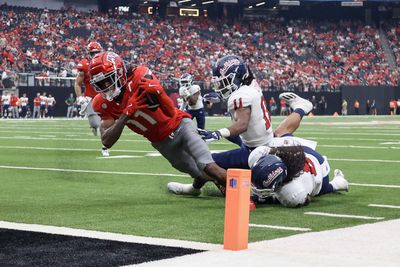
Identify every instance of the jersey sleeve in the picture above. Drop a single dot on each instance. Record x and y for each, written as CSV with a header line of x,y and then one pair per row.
x,y
100,107
82,65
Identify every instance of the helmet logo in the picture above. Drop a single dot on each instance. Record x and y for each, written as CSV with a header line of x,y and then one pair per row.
x,y
111,57
228,64
272,176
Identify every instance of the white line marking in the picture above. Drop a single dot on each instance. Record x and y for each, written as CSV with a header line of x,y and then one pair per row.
x,y
384,206
343,215
390,143
361,147
90,171
280,227
67,139
351,139
366,160
107,236
376,185
73,149
119,157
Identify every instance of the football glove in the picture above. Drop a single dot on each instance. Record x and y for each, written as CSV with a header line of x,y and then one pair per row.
x,y
150,86
209,136
211,97
136,102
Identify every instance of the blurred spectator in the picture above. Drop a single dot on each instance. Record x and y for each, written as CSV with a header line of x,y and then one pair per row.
x,y
356,107
374,110
70,105
344,107
368,107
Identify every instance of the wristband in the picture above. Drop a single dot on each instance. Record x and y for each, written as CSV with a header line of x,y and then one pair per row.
x,y
225,132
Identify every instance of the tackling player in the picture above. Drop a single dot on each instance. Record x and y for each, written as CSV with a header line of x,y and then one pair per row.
x,y
85,99
137,100
235,83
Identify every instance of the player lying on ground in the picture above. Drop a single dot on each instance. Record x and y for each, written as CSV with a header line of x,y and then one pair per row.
x,y
275,167
137,100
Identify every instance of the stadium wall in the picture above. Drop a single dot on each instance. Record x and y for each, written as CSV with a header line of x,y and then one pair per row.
x,y
59,93
381,94
334,100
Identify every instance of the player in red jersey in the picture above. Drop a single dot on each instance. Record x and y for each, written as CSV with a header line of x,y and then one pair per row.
x,y
85,100
137,100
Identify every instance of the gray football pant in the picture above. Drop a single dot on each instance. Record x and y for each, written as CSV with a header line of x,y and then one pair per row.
x,y
94,119
185,149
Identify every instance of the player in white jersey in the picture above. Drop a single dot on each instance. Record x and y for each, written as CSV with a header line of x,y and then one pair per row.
x,y
24,100
297,191
5,101
43,105
50,106
233,81
270,171
192,99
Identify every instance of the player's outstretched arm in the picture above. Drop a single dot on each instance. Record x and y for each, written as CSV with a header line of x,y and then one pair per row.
x,y
111,130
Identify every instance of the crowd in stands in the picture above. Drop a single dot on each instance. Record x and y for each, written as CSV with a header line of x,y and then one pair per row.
x,y
283,54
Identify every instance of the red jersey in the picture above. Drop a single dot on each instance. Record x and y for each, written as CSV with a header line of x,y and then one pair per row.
x,y
14,100
83,65
36,101
154,124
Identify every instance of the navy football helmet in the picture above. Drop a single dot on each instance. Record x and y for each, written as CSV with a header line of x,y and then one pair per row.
x,y
186,80
229,73
267,175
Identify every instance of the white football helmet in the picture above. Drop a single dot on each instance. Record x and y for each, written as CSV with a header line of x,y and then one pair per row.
x,y
293,194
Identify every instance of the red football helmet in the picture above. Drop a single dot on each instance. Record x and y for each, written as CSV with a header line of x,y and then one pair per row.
x,y
94,48
108,74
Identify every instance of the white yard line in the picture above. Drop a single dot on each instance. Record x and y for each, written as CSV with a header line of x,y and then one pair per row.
x,y
120,157
366,160
361,147
72,149
89,171
280,227
107,236
376,185
343,215
66,139
384,206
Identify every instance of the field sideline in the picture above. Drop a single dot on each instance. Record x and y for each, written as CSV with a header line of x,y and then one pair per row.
x,y
52,174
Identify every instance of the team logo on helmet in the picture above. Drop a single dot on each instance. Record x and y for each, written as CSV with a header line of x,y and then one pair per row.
x,y
228,64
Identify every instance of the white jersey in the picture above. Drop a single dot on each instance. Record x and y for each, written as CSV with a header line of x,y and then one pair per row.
x,y
43,100
5,99
24,101
50,101
259,131
199,104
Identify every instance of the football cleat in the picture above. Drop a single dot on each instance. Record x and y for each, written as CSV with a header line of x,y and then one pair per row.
x,y
105,152
339,183
183,189
295,102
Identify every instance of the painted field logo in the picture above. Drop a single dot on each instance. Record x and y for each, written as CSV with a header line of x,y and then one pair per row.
x,y
233,183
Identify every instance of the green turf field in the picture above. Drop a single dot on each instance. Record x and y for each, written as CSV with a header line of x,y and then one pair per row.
x,y
52,173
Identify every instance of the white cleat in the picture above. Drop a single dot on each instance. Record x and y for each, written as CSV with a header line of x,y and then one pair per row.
x,y
295,102
183,189
339,183
105,152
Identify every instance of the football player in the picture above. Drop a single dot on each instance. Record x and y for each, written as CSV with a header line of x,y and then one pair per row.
x,y
192,99
85,99
271,180
137,100
234,82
